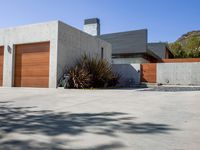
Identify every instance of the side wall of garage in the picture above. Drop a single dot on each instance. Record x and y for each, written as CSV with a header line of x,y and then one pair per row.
x,y
43,32
73,43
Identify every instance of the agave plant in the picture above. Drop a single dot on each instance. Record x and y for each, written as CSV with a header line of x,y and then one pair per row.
x,y
91,72
79,78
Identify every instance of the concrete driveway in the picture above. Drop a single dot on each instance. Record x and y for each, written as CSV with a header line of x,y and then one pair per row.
x,y
98,119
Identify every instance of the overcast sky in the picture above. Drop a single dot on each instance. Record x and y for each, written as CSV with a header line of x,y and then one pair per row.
x,y
165,20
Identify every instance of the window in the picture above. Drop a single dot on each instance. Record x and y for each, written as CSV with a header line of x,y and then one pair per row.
x,y
102,49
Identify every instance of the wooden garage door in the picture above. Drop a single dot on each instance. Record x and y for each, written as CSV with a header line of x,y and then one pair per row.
x,y
32,65
1,64
148,73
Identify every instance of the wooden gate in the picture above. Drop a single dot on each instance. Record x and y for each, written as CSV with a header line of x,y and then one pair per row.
x,y
148,73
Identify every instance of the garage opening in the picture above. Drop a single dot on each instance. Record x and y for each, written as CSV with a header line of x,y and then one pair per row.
x,y
1,64
32,65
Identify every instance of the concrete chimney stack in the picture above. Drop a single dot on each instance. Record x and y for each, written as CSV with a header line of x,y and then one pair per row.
x,y
92,26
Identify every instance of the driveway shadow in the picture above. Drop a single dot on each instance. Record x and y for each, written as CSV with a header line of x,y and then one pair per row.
x,y
27,120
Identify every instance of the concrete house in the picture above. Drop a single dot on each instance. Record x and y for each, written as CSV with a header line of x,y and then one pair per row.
x,y
131,46
36,55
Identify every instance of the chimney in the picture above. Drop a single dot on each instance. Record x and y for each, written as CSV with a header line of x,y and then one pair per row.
x,y
92,26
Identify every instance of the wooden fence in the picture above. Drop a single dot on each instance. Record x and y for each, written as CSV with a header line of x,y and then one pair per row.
x,y
179,60
148,73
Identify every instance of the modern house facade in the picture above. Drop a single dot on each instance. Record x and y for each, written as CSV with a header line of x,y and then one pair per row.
x,y
37,55
131,46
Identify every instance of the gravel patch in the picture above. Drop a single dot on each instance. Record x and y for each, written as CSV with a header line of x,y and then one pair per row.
x,y
172,89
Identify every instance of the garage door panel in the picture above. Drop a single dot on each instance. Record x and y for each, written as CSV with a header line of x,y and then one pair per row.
x,y
1,64
32,65
32,71
31,82
38,47
33,58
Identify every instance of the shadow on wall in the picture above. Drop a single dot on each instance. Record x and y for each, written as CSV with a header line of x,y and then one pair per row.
x,y
29,122
130,74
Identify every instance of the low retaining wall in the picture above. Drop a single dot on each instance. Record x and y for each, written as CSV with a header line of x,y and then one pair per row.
x,y
184,73
130,74
178,73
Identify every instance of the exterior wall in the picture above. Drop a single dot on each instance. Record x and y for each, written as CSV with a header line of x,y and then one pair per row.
x,y
92,29
73,43
29,34
178,73
129,60
130,74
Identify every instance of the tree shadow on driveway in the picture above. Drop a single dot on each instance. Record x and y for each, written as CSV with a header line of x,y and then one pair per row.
x,y
27,121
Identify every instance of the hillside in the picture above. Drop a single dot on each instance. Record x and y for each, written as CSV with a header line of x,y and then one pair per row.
x,y
185,37
188,45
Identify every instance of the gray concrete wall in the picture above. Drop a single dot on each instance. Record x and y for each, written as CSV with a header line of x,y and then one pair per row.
x,y
130,74
29,34
92,29
73,43
178,73
139,60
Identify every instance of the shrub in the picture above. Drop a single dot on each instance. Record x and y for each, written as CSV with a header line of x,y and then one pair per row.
x,y
91,72
79,78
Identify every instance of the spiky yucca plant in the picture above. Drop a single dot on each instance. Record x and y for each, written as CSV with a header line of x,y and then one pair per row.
x,y
100,70
91,72
79,78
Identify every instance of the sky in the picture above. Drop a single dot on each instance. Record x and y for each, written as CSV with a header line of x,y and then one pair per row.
x,y
166,20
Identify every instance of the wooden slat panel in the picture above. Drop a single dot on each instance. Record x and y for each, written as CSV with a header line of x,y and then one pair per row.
x,y
32,65
36,71
178,60
1,64
148,73
32,82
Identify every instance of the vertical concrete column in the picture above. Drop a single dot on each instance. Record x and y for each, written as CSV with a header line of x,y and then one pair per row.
x,y
53,64
8,68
